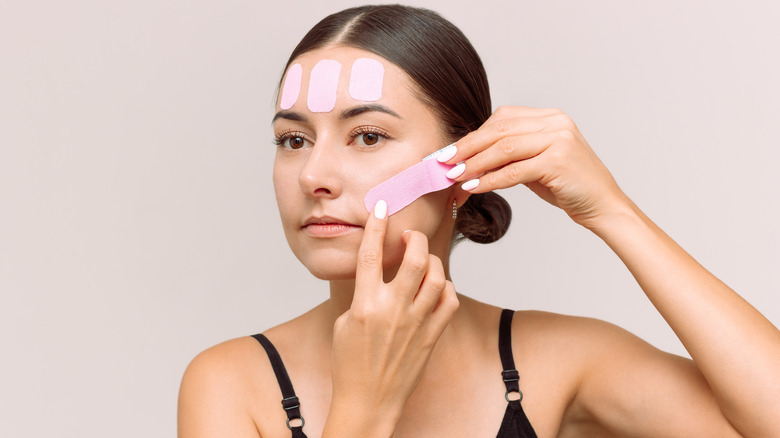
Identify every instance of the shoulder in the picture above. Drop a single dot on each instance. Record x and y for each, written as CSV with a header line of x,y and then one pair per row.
x,y
564,357
229,362
218,387
579,346
617,384
581,334
573,349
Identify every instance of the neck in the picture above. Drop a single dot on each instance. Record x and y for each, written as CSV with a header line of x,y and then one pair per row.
x,y
341,294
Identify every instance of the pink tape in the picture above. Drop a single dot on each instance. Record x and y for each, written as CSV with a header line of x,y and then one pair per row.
x,y
292,87
402,189
323,85
365,81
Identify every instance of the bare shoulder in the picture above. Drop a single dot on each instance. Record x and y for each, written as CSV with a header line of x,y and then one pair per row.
x,y
226,365
220,387
579,346
591,345
618,384
230,389
555,355
576,334
560,323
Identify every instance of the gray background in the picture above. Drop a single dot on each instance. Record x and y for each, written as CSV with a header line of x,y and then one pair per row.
x,y
137,219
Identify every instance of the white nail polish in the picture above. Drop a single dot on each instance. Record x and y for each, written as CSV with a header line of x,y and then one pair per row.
x,y
380,209
448,153
470,184
456,171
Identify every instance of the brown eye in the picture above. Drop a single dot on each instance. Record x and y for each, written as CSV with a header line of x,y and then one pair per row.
x,y
296,142
370,138
291,140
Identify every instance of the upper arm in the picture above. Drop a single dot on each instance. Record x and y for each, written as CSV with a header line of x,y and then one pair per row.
x,y
630,388
213,401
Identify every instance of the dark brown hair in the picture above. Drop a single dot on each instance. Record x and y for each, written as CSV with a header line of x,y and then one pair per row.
x,y
449,76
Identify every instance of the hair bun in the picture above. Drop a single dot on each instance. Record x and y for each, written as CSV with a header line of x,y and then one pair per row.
x,y
483,218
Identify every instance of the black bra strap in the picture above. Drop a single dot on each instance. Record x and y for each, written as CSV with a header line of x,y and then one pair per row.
x,y
290,401
510,374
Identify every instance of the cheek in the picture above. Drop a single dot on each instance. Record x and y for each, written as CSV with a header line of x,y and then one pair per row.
x,y
424,215
361,175
286,185
358,180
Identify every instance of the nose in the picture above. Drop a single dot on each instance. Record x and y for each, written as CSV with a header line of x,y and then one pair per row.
x,y
320,176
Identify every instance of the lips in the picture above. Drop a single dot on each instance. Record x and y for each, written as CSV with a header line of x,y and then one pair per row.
x,y
325,220
326,226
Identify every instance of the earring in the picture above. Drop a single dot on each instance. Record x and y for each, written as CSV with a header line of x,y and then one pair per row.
x,y
454,210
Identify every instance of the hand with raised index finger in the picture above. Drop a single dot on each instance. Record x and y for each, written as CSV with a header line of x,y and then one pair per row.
x,y
544,150
382,344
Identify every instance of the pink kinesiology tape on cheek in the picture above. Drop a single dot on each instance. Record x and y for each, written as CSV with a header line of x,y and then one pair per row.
x,y
365,82
401,190
292,87
323,86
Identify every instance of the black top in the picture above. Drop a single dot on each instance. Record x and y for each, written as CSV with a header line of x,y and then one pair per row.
x,y
514,425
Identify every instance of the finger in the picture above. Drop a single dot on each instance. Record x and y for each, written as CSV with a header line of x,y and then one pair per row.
x,y
414,265
507,150
432,286
369,264
505,121
479,140
519,172
445,309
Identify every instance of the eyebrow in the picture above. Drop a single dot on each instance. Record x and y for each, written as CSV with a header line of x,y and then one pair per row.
x,y
358,110
290,115
346,114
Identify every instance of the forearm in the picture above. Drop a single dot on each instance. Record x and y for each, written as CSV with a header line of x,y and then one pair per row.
x,y
735,347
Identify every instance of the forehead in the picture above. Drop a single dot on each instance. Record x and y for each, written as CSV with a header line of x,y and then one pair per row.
x,y
336,74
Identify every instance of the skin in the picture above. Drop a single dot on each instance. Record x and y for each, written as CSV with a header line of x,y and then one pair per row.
x,y
395,351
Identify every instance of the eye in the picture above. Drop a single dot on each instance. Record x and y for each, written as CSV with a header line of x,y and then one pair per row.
x,y
291,140
368,136
295,142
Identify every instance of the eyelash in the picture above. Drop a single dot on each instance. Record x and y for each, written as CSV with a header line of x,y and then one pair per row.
x,y
280,139
360,130
283,136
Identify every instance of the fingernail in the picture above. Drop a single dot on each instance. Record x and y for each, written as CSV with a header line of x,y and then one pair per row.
x,y
447,153
380,209
456,171
470,184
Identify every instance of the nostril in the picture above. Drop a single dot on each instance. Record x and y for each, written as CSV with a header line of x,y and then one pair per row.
x,y
322,191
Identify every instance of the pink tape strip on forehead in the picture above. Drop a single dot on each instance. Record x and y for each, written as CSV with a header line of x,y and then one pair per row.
x,y
292,87
401,190
365,82
323,86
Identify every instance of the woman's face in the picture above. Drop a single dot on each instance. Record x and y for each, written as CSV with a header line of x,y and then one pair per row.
x,y
326,162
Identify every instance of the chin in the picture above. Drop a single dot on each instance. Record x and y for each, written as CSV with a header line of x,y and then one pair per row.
x,y
342,268
329,265
331,271
333,275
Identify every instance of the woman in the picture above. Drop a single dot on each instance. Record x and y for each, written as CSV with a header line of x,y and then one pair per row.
x,y
395,351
